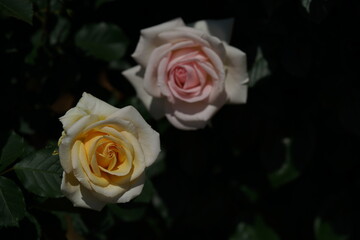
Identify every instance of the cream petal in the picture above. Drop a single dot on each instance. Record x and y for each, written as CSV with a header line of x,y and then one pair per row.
x,y
87,105
149,139
71,117
69,138
139,158
78,195
93,105
149,40
122,170
134,190
82,169
221,29
110,193
236,82
154,105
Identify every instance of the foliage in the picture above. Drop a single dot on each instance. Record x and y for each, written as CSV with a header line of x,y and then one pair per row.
x,y
282,166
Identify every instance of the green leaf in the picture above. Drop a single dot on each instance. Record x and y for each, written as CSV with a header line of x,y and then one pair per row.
x,y
260,68
99,3
258,231
40,173
35,222
251,194
60,31
21,9
287,172
13,149
306,4
73,220
323,231
12,204
104,41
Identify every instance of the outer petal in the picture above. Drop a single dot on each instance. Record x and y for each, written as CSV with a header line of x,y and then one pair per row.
x,y
237,77
147,137
154,105
149,40
80,196
195,115
68,140
87,105
221,29
134,190
93,105
197,36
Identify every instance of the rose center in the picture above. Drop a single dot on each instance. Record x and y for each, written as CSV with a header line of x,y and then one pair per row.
x,y
108,155
180,76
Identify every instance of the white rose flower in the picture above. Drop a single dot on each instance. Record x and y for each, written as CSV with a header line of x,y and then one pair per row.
x,y
104,152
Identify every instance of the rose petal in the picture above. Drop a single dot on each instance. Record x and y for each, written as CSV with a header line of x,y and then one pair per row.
x,y
198,37
126,166
71,117
151,82
154,105
69,138
221,29
149,40
134,190
82,169
148,138
139,158
192,125
237,77
93,105
192,116
80,196
183,34
111,192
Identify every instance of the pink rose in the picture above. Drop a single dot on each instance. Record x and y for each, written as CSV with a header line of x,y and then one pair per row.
x,y
188,73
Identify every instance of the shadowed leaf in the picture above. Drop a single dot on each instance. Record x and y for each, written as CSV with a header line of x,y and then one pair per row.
x,y
40,173
12,205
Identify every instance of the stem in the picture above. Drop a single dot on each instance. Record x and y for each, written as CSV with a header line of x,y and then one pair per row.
x,y
6,171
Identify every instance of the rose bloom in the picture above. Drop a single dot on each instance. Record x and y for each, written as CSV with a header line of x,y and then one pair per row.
x,y
188,73
104,152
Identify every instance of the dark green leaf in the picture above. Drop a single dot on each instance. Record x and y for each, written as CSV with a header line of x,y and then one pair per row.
x,y
127,213
260,68
287,171
37,225
258,231
323,231
99,3
60,31
104,41
36,41
251,194
21,9
306,4
72,220
40,173
13,149
12,205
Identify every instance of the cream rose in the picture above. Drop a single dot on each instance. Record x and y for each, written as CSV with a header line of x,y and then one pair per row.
x,y
188,73
104,152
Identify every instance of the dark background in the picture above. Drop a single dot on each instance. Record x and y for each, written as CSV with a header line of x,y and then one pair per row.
x,y
285,165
